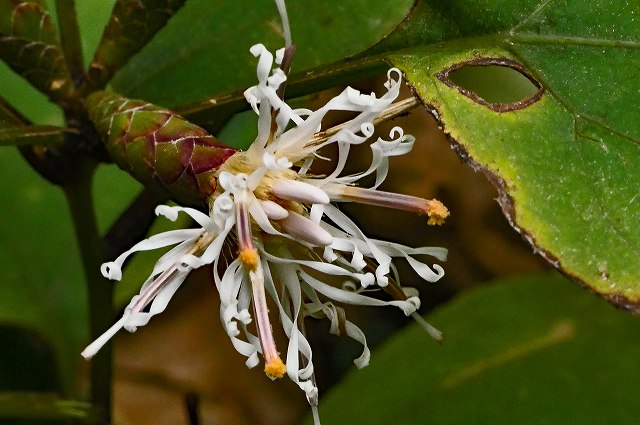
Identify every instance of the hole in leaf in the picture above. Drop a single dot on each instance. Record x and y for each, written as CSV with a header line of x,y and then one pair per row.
x,y
494,83
497,83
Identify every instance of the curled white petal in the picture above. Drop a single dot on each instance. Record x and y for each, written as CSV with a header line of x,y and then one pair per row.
x,y
276,164
113,270
346,297
265,60
167,211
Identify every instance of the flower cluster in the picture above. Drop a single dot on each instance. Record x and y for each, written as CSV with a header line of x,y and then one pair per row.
x,y
289,233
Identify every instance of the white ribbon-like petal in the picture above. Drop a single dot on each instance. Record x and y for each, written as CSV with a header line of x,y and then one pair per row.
x,y
340,295
171,212
298,344
113,270
353,331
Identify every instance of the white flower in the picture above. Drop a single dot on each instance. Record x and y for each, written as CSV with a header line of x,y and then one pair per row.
x,y
288,232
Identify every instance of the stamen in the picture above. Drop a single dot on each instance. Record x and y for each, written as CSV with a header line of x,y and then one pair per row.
x,y
152,291
434,209
96,345
247,253
165,277
295,190
148,294
273,365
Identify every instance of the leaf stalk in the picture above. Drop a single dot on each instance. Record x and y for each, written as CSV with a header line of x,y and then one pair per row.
x,y
70,39
79,196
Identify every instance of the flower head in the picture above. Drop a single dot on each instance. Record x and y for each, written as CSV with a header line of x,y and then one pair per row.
x,y
289,233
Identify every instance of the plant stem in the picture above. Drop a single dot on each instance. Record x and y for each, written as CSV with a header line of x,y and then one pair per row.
x,y
32,135
78,193
11,115
70,39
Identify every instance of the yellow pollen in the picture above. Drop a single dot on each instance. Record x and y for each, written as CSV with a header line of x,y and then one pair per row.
x,y
437,212
275,368
249,257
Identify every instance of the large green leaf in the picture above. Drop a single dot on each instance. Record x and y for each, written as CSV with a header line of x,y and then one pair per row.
x,y
564,161
42,289
533,350
204,49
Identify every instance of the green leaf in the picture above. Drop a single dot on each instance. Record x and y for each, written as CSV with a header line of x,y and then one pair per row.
x,y
533,350
565,160
32,105
132,24
204,49
29,45
42,284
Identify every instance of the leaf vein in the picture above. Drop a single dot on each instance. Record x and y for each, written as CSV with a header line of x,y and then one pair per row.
x,y
536,12
571,40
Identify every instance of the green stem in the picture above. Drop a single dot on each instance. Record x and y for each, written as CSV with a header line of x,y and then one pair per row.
x,y
32,135
70,38
79,197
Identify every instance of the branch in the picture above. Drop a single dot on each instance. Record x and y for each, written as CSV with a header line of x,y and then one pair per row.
x,y
32,135
79,197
